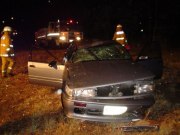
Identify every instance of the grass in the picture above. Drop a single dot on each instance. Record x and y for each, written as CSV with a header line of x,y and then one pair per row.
x,y
28,109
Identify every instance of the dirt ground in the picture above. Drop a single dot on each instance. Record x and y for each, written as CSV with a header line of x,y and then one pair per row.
x,y
27,109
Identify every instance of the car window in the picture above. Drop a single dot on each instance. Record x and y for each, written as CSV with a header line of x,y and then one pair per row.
x,y
82,55
39,54
103,52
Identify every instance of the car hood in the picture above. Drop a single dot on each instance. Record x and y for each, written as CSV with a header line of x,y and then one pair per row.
x,y
101,73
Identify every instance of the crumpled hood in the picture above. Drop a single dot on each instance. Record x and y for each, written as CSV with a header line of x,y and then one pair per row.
x,y
98,73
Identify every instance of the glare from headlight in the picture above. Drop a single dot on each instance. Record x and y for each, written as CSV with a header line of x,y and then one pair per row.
x,y
63,38
143,88
70,40
78,38
85,93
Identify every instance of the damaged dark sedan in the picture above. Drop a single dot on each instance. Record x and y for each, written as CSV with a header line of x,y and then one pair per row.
x,y
99,82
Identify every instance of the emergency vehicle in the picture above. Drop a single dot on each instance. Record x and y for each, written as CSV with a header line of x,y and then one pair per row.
x,y
60,33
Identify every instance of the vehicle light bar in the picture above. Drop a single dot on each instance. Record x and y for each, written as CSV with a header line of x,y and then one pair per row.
x,y
52,34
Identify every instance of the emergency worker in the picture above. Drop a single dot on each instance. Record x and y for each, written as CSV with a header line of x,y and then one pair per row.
x,y
119,35
6,52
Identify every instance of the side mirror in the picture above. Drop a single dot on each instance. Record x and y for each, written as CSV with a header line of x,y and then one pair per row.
x,y
53,64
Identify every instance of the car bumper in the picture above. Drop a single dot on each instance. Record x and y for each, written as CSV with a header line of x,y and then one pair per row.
x,y
93,109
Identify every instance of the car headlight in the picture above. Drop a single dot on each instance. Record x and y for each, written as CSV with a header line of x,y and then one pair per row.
x,y
90,92
78,38
71,40
80,92
143,88
62,38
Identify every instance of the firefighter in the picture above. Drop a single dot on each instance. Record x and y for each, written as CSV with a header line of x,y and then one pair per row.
x,y
6,52
119,35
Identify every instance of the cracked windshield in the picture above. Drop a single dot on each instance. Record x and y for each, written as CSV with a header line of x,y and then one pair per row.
x,y
110,52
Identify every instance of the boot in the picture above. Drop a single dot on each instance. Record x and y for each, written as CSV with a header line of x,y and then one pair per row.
x,y
4,75
10,74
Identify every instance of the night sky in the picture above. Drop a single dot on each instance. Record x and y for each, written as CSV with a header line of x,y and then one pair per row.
x,y
98,18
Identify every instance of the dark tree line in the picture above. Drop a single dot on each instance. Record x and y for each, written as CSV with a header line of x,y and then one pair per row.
x,y
158,19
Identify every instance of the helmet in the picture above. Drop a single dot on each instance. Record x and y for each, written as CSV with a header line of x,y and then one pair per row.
x,y
7,28
119,25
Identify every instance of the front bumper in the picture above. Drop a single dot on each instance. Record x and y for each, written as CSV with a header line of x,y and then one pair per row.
x,y
91,109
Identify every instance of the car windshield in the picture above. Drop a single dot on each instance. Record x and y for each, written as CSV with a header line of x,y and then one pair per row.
x,y
102,52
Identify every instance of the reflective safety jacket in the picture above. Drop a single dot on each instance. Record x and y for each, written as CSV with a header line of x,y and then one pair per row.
x,y
120,37
6,47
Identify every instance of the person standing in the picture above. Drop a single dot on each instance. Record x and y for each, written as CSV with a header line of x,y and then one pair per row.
x,y
7,52
119,35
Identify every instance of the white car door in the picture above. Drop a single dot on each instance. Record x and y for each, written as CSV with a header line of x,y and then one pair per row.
x,y
42,73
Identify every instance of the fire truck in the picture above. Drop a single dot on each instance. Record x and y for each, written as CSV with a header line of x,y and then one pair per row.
x,y
60,33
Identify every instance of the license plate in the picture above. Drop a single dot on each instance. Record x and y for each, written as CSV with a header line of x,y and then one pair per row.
x,y
114,110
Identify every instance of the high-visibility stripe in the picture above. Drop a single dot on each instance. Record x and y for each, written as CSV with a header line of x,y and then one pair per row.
x,y
3,37
4,55
120,38
9,67
9,45
3,71
119,32
3,44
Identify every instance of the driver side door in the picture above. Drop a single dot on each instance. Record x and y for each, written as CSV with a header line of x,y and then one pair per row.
x,y
40,68
43,74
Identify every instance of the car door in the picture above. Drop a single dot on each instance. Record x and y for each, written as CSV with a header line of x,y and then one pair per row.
x,y
42,73
43,69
